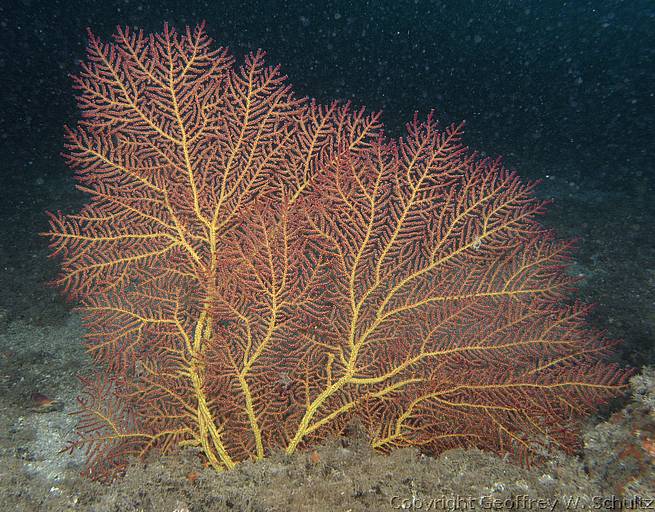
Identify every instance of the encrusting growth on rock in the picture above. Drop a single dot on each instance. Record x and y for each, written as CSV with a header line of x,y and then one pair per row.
x,y
255,270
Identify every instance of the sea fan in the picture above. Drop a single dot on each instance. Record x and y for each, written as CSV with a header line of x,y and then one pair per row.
x,y
255,270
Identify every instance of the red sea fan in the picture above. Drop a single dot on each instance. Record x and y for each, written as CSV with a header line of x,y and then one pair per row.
x,y
255,270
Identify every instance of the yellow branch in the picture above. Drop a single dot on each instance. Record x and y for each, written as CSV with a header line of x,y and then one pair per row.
x,y
209,434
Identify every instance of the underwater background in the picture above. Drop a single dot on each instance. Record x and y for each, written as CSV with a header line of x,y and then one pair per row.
x,y
562,90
